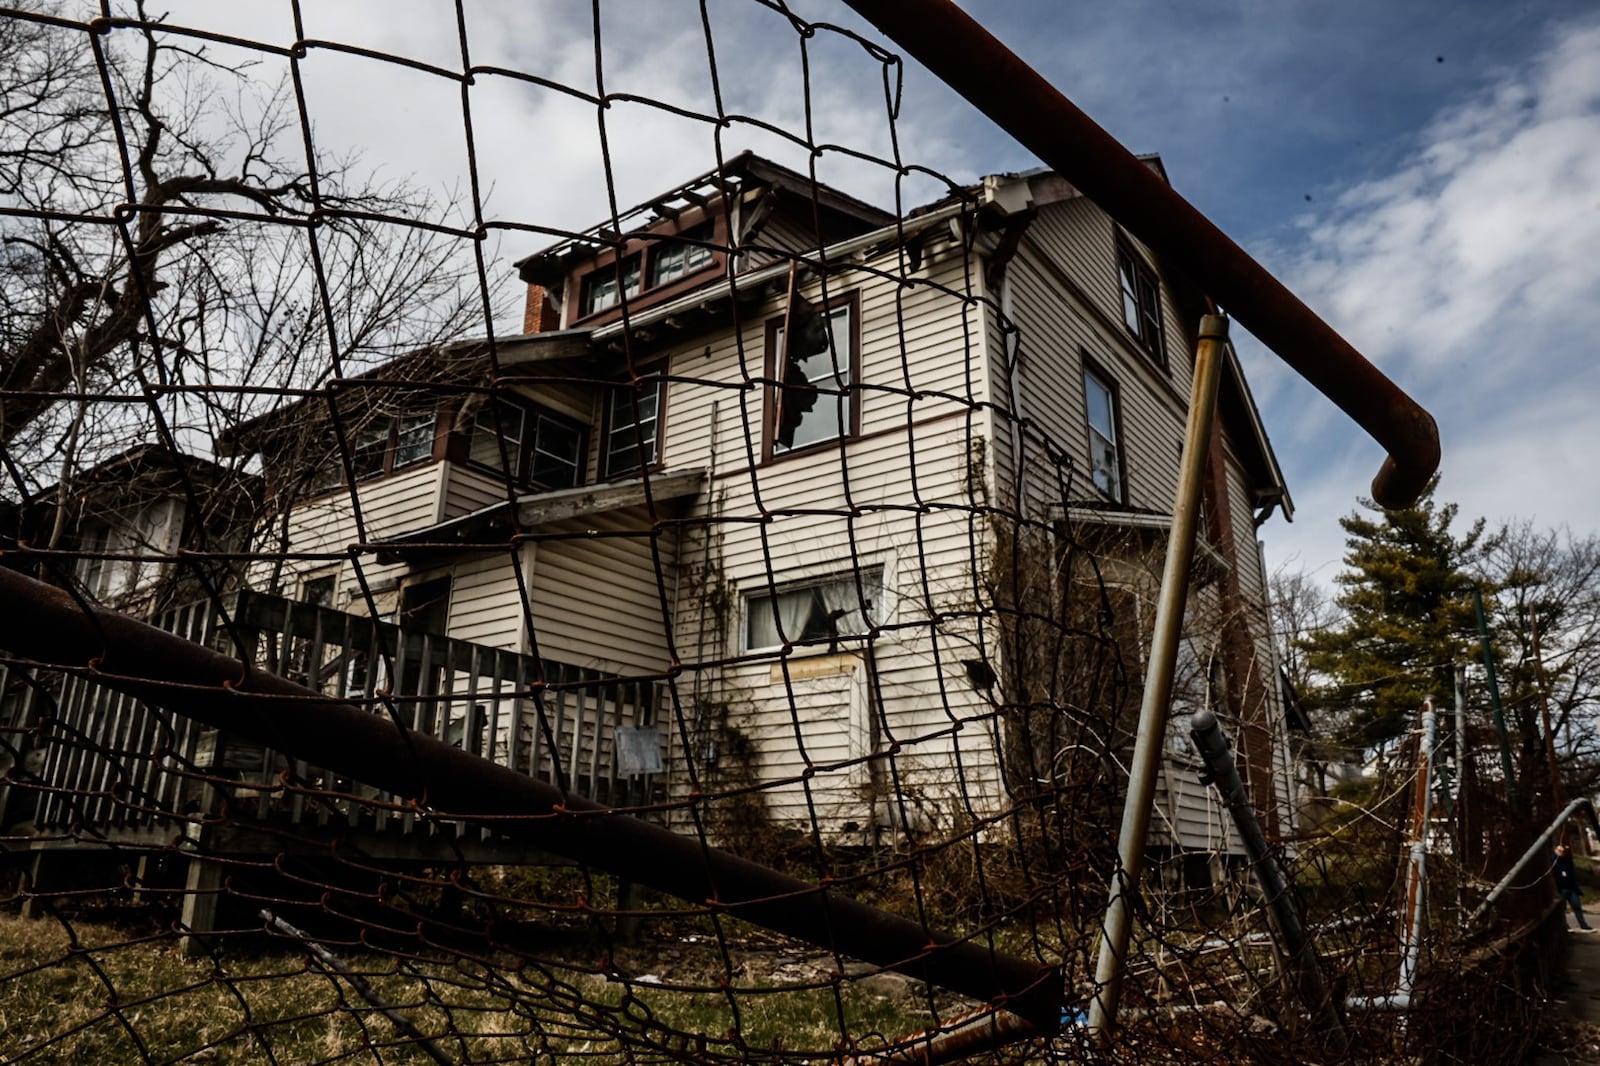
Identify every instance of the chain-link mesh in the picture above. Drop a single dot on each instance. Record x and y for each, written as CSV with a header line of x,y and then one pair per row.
x,y
734,657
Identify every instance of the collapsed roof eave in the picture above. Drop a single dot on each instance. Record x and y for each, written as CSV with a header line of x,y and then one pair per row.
x,y
495,524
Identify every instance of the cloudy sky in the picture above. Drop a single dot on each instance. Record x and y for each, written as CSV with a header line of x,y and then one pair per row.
x,y
1426,175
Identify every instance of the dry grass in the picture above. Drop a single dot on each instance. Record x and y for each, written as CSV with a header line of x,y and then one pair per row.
x,y
88,993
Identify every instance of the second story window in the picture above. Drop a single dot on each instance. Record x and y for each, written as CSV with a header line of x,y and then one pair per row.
x,y
1141,302
1105,442
544,450
600,288
813,402
633,423
674,258
380,445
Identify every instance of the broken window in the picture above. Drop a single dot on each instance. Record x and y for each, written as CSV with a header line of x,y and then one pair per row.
x,y
815,362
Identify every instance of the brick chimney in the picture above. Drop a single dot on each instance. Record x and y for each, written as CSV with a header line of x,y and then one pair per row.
x,y
539,315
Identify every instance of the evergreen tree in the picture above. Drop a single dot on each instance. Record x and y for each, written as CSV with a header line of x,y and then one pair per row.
x,y
1406,601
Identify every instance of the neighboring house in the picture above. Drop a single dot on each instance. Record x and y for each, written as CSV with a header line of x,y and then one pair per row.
x,y
868,510
113,533
119,525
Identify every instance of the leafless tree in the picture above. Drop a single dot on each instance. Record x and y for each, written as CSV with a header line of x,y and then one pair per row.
x,y
176,249
1547,629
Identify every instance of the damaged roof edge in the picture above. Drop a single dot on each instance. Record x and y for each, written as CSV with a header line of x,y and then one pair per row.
x,y
543,508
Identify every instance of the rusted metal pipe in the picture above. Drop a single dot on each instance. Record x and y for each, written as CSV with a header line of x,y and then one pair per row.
x,y
1533,852
1153,711
1296,947
965,56
49,626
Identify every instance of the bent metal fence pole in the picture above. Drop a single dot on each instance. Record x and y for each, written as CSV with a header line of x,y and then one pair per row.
x,y
1295,945
49,626
1494,699
1416,875
966,57
1534,850
1150,741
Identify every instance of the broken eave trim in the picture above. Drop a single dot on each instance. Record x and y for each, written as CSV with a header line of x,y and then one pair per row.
x,y
745,285
542,509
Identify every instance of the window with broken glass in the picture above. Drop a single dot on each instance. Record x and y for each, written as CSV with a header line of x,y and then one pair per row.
x,y
813,402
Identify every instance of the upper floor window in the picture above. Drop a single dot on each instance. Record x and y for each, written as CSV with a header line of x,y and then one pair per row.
x,y
1141,302
633,422
807,612
673,258
385,443
543,450
1105,441
600,287
813,402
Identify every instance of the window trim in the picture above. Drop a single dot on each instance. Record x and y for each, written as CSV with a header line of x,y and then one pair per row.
x,y
1093,371
1146,282
527,442
604,452
644,245
852,389
873,577
437,419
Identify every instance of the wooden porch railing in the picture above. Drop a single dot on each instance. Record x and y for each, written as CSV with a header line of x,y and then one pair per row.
x,y
109,763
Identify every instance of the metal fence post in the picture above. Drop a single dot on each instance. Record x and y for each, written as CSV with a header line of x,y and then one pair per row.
x,y
1295,945
1146,763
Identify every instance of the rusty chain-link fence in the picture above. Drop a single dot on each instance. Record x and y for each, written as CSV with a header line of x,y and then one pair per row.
x,y
438,631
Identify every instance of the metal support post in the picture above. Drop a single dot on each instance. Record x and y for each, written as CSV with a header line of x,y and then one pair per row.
x,y
1534,851
1494,701
1295,946
1158,679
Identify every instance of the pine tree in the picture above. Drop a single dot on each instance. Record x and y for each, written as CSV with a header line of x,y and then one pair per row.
x,y
1406,601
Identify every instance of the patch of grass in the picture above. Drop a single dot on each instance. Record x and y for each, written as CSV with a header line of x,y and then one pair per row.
x,y
88,993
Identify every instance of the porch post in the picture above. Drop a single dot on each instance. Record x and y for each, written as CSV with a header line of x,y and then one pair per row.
x,y
1158,679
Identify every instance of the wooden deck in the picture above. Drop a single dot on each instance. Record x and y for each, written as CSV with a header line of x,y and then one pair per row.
x,y
117,770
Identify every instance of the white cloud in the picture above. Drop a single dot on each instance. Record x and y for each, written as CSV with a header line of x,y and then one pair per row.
x,y
1470,275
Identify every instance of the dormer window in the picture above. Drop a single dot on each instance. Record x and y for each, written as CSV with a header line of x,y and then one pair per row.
x,y
677,257
600,289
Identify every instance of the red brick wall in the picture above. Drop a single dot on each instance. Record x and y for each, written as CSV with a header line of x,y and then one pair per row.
x,y
539,314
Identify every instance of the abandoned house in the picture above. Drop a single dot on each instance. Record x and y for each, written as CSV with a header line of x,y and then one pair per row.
x,y
862,515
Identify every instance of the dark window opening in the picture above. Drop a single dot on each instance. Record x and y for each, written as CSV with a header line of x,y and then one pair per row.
x,y
633,420
1141,303
544,451
813,402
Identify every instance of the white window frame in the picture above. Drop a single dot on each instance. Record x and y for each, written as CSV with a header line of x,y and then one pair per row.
x,y
873,587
